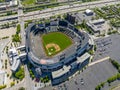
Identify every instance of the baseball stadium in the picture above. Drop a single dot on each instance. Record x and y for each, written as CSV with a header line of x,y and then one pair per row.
x,y
54,45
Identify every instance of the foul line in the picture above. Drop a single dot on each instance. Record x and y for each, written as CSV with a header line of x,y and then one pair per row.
x,y
98,61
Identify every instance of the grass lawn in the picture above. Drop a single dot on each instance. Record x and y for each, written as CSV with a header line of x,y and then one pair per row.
x,y
62,40
28,2
2,0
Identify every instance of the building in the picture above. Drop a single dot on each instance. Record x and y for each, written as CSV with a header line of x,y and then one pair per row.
x,y
9,3
71,18
89,12
66,62
37,56
97,26
14,59
63,73
13,3
79,17
15,64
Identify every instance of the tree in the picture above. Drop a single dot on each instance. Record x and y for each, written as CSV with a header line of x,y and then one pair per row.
x,y
115,64
98,87
44,79
12,84
20,74
2,86
111,79
16,38
18,29
95,47
118,76
119,69
102,84
21,88
9,12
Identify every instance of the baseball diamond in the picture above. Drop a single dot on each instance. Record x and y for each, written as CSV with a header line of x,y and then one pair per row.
x,y
55,42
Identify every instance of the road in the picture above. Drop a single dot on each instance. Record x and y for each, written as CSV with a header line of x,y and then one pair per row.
x,y
21,21
62,9
28,81
60,3
65,9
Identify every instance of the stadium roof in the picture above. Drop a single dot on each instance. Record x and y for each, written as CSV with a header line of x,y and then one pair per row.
x,y
66,69
83,58
61,71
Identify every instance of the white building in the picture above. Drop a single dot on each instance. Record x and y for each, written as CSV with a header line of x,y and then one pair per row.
x,y
14,59
88,12
97,26
13,3
9,4
13,52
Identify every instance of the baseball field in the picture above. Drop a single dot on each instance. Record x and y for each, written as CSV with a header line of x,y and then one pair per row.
x,y
55,42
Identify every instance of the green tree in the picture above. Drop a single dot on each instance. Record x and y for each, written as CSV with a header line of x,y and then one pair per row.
x,y
12,84
20,74
16,38
21,88
118,76
111,79
2,87
98,87
115,64
18,29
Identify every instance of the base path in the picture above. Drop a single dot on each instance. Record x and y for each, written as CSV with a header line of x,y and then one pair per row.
x,y
57,48
98,61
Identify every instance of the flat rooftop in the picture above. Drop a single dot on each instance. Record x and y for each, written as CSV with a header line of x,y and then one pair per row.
x,y
61,71
66,69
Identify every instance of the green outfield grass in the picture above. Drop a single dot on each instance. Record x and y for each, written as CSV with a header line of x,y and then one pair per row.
x,y
60,39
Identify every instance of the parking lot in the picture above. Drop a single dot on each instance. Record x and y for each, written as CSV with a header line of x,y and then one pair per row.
x,y
109,46
89,78
97,73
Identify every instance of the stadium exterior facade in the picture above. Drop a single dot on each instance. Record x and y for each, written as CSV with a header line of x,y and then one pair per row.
x,y
64,58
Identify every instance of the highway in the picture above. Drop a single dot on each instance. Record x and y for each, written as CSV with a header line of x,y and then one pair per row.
x,y
59,10
74,7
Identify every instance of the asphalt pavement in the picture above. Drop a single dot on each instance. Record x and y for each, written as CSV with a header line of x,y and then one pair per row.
x,y
98,72
108,46
88,79
3,43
